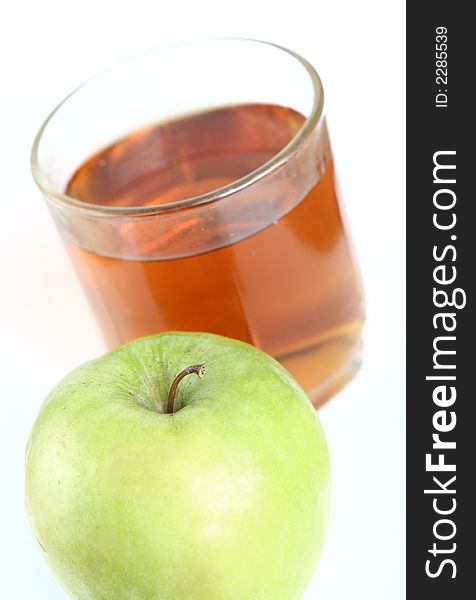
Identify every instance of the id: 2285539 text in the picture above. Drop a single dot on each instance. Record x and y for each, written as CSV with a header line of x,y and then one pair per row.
x,y
441,67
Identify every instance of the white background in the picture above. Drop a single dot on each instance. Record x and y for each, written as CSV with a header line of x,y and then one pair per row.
x,y
46,49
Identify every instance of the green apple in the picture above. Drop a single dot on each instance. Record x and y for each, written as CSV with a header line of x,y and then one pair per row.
x,y
224,496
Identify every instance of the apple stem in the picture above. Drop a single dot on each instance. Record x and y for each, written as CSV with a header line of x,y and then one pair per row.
x,y
198,369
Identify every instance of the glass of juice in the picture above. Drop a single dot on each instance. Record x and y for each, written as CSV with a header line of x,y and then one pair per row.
x,y
194,189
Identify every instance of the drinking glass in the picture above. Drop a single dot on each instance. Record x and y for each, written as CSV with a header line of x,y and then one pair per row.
x,y
194,189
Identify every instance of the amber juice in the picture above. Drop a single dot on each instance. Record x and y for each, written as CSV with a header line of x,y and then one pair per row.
x,y
290,288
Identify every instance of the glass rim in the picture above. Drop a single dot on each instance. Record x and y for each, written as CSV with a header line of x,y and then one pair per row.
x,y
50,191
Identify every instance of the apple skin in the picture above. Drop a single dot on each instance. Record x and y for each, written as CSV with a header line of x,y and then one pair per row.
x,y
225,499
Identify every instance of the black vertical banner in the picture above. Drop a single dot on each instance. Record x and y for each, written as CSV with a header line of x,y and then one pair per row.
x,y
441,297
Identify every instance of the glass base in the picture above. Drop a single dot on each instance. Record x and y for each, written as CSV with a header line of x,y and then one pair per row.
x,y
326,368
